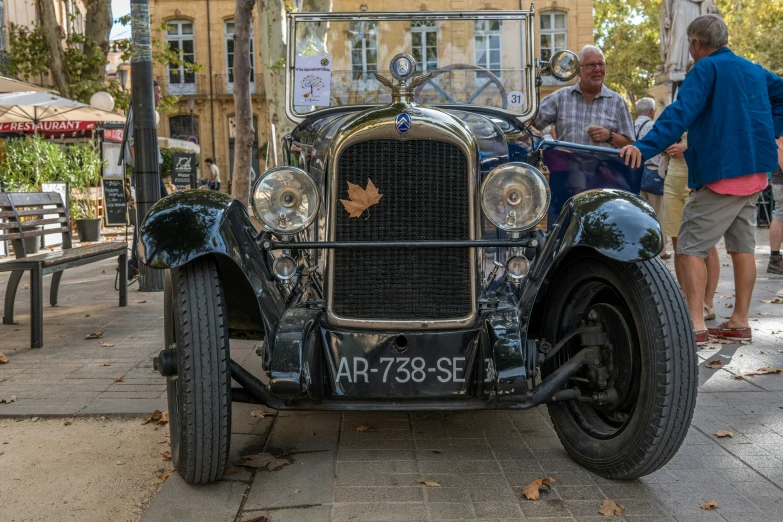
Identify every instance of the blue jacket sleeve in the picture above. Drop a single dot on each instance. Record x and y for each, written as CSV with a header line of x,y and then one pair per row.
x,y
775,90
678,116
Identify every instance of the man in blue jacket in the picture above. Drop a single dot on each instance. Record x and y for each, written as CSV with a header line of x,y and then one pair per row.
x,y
733,112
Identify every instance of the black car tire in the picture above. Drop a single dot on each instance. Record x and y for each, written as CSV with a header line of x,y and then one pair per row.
x,y
199,396
661,381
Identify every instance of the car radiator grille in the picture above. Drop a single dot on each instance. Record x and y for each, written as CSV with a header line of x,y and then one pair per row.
x,y
425,197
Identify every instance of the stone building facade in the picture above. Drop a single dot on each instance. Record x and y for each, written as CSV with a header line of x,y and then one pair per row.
x,y
203,29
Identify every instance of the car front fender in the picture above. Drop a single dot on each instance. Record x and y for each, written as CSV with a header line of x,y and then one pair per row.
x,y
195,223
618,224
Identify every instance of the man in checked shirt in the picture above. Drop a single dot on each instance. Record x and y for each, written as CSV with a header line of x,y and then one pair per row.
x,y
588,113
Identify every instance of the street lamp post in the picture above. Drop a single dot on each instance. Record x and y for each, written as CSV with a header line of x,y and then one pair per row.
x,y
123,74
145,139
191,106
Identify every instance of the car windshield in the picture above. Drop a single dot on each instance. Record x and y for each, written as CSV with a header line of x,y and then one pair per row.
x,y
476,58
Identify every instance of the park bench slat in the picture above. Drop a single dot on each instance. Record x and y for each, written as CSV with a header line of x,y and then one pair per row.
x,y
29,224
34,233
32,212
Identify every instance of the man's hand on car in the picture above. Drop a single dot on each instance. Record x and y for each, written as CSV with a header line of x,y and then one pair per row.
x,y
632,156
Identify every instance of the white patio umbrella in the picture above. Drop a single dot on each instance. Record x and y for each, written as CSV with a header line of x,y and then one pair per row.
x,y
13,85
38,107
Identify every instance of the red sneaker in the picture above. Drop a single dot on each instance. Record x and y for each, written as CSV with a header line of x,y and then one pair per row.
x,y
702,337
735,334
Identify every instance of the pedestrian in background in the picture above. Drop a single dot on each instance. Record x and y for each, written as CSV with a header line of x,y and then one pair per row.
x,y
775,265
675,195
733,110
652,181
588,112
213,174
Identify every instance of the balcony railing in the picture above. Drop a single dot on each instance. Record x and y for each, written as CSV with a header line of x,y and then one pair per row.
x,y
224,84
177,83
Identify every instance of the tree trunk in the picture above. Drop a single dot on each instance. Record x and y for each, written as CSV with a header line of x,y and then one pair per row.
x,y
97,28
243,118
53,36
273,55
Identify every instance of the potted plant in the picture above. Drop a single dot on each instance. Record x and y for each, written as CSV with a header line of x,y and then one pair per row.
x,y
84,173
26,164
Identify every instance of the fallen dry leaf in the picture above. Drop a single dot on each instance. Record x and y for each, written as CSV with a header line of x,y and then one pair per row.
x,y
752,319
106,345
362,428
8,400
264,460
155,417
1,452
105,364
729,305
3,359
141,302
360,199
230,470
715,340
164,418
67,422
258,414
610,508
297,491
723,433
715,365
725,264
725,296
164,474
95,335
166,455
738,377
712,504
428,483
764,313
119,379
767,370
531,490
747,342
26,286
777,300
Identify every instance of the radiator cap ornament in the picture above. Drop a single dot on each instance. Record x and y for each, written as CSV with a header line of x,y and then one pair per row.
x,y
403,123
403,66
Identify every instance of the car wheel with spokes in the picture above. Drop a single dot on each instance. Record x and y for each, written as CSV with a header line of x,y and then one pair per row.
x,y
640,406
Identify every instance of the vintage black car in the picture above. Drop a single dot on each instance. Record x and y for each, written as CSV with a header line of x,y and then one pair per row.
x,y
424,248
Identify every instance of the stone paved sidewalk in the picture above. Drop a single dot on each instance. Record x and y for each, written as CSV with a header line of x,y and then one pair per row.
x,y
481,460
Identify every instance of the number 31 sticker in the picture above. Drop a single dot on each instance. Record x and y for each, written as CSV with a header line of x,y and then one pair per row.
x,y
515,99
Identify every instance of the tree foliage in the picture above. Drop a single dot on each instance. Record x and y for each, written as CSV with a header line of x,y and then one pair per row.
x,y
628,32
756,30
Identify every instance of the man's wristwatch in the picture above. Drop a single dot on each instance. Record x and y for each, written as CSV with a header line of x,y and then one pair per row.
x,y
611,137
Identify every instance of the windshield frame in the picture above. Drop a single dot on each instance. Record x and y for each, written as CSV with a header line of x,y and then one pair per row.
x,y
525,17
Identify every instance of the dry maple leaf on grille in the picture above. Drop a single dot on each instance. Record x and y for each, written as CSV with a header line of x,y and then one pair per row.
x,y
360,199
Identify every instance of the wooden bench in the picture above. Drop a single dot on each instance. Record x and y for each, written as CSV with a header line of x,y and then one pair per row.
x,y
30,205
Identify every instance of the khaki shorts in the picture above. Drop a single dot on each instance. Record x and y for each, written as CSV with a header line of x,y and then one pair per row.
x,y
675,194
708,216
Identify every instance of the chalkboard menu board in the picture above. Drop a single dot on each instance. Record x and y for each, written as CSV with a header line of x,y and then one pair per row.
x,y
114,200
183,170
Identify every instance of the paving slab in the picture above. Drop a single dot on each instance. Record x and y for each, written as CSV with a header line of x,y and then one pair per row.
x,y
176,500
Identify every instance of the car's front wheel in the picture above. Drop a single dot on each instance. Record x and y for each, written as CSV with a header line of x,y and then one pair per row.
x,y
199,395
649,389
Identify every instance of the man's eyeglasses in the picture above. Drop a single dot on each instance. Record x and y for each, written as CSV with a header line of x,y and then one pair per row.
x,y
594,66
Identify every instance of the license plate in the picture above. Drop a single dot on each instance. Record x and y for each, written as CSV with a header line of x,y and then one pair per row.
x,y
400,370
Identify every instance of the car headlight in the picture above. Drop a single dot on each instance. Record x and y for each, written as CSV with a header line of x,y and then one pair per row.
x,y
564,65
515,197
285,200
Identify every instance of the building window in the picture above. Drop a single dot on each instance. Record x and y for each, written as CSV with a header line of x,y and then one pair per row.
x,y
179,38
230,57
554,33
424,44
486,41
182,128
364,49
